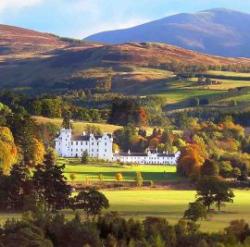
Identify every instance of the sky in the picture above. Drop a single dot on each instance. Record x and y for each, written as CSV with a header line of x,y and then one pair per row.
x,y
80,18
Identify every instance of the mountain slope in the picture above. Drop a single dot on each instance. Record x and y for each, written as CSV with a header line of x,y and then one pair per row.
x,y
128,66
218,31
15,40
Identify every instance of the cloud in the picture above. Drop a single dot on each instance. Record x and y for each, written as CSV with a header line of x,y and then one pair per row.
x,y
15,5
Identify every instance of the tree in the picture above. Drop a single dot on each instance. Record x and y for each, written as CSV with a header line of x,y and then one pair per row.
x,y
23,129
190,161
226,169
39,151
66,120
8,150
195,211
85,157
212,190
119,177
51,185
91,201
223,194
209,168
236,172
139,179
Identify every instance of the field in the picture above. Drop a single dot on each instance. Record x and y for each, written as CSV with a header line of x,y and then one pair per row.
x,y
172,203
169,204
78,126
108,171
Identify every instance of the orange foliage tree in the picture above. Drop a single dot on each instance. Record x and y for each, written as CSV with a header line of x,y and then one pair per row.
x,y
190,161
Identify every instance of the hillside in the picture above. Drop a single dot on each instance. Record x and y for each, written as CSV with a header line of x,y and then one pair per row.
x,y
15,40
56,64
218,31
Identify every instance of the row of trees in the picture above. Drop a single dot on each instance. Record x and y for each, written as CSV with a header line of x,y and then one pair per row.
x,y
222,146
111,230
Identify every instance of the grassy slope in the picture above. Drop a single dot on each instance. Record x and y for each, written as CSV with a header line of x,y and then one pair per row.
x,y
78,126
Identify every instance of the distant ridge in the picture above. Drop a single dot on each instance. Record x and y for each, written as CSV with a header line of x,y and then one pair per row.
x,y
220,31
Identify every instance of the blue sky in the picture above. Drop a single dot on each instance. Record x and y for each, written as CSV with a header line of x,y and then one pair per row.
x,y
79,18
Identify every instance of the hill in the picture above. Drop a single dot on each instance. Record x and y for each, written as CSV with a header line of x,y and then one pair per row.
x,y
15,40
218,31
56,64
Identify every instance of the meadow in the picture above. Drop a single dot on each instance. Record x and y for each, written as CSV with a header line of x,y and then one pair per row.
x,y
171,204
108,172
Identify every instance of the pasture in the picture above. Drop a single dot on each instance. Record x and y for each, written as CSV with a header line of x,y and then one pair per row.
x,y
91,172
172,203
169,204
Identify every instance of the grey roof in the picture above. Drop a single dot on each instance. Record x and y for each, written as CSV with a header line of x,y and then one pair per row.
x,y
80,138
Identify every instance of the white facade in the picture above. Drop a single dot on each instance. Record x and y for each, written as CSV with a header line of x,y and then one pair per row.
x,y
100,147
96,146
148,158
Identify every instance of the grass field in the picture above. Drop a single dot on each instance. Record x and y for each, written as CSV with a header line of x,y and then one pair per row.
x,y
78,126
171,204
108,171
228,73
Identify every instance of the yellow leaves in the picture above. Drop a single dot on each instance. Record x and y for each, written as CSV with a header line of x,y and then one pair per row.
x,y
191,159
8,150
39,151
116,148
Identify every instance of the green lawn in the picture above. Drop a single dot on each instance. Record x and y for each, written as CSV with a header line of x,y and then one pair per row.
x,y
171,204
92,172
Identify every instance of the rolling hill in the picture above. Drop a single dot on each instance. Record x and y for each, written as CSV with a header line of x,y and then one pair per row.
x,y
36,61
221,32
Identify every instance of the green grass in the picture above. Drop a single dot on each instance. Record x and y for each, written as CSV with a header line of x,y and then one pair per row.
x,y
171,204
92,171
227,73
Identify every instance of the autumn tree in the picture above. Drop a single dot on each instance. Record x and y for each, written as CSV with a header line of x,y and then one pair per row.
x,y
8,150
119,177
138,179
39,151
190,161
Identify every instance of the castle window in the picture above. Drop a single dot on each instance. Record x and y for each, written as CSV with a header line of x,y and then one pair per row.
x,y
71,143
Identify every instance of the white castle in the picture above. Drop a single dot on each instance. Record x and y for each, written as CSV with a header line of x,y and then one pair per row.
x,y
101,147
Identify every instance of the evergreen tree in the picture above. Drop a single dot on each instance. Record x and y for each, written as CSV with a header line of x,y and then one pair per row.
x,y
51,185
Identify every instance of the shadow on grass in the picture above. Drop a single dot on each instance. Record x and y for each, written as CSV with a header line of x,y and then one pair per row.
x,y
154,176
